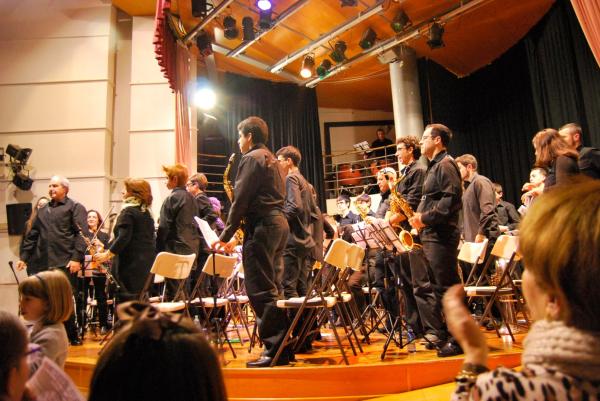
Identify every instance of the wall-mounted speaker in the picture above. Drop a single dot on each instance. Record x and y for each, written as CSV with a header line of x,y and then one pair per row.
x,y
17,215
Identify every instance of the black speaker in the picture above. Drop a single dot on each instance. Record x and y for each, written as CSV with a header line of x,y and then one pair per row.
x,y
17,215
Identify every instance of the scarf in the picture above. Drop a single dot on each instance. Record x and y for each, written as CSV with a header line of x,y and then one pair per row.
x,y
554,345
132,201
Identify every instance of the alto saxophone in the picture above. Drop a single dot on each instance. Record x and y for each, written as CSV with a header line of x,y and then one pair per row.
x,y
239,234
399,205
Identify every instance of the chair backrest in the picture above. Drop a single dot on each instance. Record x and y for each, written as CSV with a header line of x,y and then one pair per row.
x,y
505,246
173,266
338,253
223,266
473,252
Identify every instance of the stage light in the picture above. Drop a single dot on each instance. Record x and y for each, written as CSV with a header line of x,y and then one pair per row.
x,y
323,69
307,66
248,29
400,22
349,3
264,19
22,181
205,98
368,39
339,49
229,27
203,42
264,5
435,36
199,8
18,154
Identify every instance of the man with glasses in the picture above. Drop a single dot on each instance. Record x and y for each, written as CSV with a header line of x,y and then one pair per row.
x,y
436,220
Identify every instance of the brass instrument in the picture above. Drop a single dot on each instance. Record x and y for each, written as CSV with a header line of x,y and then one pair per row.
x,y
239,234
362,212
399,205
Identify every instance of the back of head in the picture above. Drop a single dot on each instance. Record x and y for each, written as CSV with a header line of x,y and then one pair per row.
x,y
159,357
13,345
177,171
139,189
560,244
255,126
292,153
53,287
549,145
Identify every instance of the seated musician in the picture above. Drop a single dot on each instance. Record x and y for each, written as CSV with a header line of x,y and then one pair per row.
x,y
508,217
533,188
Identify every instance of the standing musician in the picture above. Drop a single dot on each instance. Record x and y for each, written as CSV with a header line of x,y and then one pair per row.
x,y
55,241
437,220
259,196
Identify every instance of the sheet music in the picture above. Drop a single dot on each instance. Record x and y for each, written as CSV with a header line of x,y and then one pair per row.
x,y
364,146
208,233
51,383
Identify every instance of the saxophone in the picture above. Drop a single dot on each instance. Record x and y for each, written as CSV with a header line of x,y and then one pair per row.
x,y
399,205
239,234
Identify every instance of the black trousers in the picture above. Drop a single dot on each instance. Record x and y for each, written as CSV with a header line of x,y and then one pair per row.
x,y
295,272
264,241
78,294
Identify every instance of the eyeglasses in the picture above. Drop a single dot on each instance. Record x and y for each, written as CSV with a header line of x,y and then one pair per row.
x,y
189,184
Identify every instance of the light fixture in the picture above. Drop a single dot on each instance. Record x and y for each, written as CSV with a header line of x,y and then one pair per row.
x,y
18,159
229,27
339,49
199,8
204,43
436,31
368,39
264,19
18,154
264,5
248,29
349,3
307,66
400,22
22,181
323,69
205,98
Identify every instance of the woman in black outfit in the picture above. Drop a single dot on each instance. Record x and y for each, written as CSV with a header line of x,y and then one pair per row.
x,y
134,240
555,155
98,270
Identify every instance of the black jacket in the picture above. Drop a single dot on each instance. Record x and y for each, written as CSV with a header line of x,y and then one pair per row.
x,y
560,171
479,209
298,208
508,215
205,211
54,238
177,229
589,161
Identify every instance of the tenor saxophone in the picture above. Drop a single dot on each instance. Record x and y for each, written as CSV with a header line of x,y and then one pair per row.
x,y
239,234
399,205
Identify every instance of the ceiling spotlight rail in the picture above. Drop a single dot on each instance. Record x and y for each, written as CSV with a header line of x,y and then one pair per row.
x,y
209,17
396,40
282,17
377,7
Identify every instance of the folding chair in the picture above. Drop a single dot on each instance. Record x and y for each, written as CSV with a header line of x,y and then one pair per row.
x,y
472,253
171,266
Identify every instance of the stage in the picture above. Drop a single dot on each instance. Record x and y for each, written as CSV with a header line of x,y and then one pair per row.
x,y
321,374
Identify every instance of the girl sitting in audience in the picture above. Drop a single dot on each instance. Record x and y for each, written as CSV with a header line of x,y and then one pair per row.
x,y
14,370
46,300
157,357
560,245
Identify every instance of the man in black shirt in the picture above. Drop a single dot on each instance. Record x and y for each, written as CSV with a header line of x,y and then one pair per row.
x,y
379,142
508,217
259,196
55,240
589,158
437,221
177,231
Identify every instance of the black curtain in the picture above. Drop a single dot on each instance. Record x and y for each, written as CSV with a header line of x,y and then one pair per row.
x,y
546,80
290,111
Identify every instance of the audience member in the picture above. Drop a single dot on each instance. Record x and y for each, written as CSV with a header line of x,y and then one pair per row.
x,y
508,217
14,370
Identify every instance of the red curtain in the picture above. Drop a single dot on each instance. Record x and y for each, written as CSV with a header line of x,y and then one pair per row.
x,y
588,14
174,62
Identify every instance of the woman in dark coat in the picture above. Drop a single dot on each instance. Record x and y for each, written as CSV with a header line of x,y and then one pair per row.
x,y
556,156
134,240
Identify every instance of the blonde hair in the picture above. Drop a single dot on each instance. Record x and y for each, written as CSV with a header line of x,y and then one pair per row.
x,y
559,240
53,287
179,171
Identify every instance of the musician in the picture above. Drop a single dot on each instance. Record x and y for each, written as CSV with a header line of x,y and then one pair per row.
x,y
298,209
555,155
134,243
479,203
177,231
508,217
533,188
54,239
98,274
589,158
259,197
436,219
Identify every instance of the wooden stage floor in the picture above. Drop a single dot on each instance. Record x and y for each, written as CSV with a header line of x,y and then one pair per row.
x,y
322,375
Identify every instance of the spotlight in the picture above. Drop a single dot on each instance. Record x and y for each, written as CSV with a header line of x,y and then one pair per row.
x,y
435,36
18,154
22,181
338,54
199,8
307,66
349,3
205,98
229,27
323,69
264,19
203,42
400,22
264,5
248,29
368,39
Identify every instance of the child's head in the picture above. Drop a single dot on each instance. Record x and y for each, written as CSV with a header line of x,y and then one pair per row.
x,y
46,297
